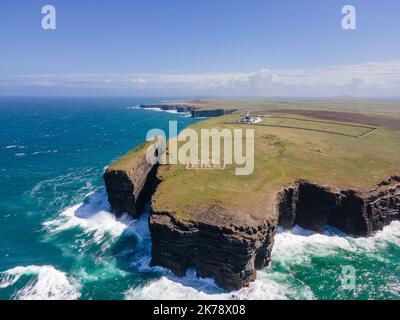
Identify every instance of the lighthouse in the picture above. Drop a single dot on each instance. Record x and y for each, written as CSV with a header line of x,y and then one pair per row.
x,y
247,119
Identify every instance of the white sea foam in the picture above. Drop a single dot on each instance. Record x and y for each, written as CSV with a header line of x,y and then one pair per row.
x,y
21,154
93,216
44,152
59,187
296,246
184,114
299,245
169,287
47,283
14,146
154,109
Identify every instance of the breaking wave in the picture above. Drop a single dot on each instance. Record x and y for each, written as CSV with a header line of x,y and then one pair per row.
x,y
93,216
294,249
44,283
297,247
300,244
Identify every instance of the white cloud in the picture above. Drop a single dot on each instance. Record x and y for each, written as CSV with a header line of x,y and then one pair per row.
x,y
369,79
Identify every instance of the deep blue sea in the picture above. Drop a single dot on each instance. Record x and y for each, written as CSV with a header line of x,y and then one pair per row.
x,y
58,239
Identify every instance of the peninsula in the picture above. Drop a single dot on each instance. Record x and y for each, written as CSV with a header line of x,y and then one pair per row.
x,y
316,163
195,111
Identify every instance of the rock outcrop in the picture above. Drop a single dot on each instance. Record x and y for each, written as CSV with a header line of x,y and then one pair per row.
x,y
210,113
130,183
360,213
230,255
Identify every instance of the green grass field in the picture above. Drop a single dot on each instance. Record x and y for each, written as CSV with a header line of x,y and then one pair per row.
x,y
334,154
386,108
351,130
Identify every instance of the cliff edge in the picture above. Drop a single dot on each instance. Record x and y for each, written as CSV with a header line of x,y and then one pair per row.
x,y
311,174
130,181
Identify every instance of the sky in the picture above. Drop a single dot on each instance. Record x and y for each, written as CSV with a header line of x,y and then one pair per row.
x,y
200,48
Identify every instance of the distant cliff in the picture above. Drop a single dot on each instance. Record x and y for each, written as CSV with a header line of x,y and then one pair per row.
x,y
210,113
170,107
196,112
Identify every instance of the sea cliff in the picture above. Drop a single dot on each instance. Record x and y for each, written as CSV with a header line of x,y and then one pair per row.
x,y
130,182
224,225
228,249
357,212
195,111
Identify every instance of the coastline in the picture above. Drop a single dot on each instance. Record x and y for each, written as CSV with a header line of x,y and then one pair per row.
x,y
243,242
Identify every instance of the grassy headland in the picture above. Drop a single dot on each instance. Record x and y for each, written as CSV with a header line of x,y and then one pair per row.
x,y
338,154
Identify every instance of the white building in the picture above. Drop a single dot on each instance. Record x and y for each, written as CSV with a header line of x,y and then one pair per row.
x,y
248,119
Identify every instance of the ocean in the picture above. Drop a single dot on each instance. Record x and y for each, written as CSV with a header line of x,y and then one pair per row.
x,y
58,239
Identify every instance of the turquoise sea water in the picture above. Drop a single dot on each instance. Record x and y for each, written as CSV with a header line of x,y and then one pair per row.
x,y
58,239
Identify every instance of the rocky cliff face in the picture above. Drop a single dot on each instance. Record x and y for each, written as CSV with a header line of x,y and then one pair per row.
x,y
231,247
230,255
129,188
360,213
170,107
195,111
211,113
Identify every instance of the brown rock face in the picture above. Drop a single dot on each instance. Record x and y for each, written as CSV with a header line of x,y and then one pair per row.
x,y
230,245
130,187
360,213
229,255
128,193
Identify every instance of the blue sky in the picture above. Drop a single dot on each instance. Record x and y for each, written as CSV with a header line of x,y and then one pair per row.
x,y
200,47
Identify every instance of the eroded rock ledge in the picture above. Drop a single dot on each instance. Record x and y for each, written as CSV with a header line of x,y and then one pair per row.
x,y
360,213
130,183
230,255
230,251
196,112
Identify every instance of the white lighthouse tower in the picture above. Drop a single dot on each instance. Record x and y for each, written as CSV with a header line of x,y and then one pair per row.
x,y
247,119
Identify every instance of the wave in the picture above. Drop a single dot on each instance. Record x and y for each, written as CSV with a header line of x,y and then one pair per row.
x,y
46,283
291,248
44,152
14,146
170,287
300,244
93,216
183,114
78,183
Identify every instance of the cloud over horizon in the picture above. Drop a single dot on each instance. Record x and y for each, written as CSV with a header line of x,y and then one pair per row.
x,y
360,80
